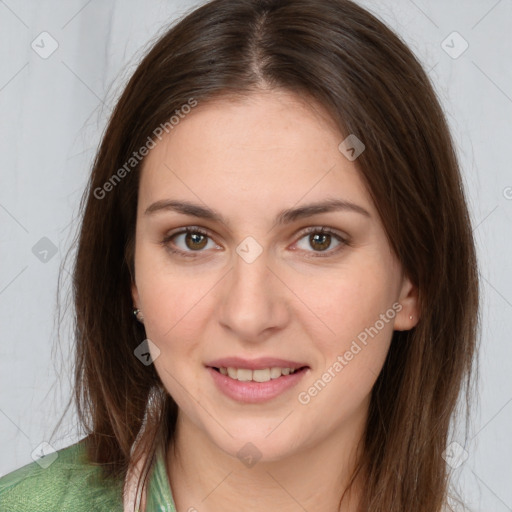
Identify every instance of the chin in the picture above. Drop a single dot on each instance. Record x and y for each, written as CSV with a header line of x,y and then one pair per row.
x,y
251,443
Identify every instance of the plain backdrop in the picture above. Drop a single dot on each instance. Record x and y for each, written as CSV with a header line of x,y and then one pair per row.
x,y
63,64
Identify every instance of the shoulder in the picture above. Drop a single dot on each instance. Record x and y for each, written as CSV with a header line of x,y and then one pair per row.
x,y
60,482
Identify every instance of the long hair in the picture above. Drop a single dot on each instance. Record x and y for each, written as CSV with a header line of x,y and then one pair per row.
x,y
337,54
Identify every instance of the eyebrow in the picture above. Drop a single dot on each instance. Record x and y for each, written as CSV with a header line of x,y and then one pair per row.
x,y
284,217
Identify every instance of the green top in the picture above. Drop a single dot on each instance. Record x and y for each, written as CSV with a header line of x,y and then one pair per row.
x,y
70,483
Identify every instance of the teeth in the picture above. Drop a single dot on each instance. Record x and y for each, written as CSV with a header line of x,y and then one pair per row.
x,y
244,375
275,373
263,375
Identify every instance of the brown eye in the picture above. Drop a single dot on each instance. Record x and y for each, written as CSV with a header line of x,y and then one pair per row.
x,y
321,240
190,241
195,241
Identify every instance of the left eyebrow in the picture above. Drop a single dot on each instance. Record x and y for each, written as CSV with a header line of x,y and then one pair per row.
x,y
286,216
332,205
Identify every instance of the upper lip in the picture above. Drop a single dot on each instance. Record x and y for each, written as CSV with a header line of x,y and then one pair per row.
x,y
254,364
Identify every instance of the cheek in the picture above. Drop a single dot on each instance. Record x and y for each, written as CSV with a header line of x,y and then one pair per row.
x,y
356,304
348,301
172,297
351,361
175,317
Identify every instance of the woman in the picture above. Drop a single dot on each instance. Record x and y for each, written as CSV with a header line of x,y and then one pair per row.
x,y
275,285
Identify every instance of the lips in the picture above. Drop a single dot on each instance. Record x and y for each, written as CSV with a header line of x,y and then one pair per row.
x,y
255,380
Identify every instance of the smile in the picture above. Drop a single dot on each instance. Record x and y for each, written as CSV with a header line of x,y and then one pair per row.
x,y
263,375
248,386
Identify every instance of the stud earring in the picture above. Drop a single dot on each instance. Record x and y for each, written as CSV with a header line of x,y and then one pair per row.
x,y
138,315
410,317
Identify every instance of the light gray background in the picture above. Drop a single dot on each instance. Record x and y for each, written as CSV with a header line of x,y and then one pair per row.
x,y
53,111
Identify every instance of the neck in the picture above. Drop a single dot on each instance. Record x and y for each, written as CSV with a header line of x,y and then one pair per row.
x,y
205,478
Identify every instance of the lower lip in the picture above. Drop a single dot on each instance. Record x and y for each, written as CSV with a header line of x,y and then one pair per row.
x,y
255,392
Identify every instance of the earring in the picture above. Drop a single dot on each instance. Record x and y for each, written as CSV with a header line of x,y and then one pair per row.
x,y
138,315
410,317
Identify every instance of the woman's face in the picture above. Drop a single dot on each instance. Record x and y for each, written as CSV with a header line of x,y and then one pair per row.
x,y
259,286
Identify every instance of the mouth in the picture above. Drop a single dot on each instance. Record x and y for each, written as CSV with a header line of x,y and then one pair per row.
x,y
255,381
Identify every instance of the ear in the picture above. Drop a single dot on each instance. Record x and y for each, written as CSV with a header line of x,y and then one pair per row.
x,y
408,299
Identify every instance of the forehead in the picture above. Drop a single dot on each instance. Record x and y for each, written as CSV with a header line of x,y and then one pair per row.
x,y
273,145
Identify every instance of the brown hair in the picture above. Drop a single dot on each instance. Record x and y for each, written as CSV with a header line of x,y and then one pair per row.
x,y
338,55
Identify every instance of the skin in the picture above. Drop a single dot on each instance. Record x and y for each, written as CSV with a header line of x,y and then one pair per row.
x,y
249,159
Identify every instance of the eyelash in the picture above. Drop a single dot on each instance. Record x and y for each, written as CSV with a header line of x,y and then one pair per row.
x,y
308,231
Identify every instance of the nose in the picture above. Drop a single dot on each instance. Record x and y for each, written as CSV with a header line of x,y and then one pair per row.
x,y
255,302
